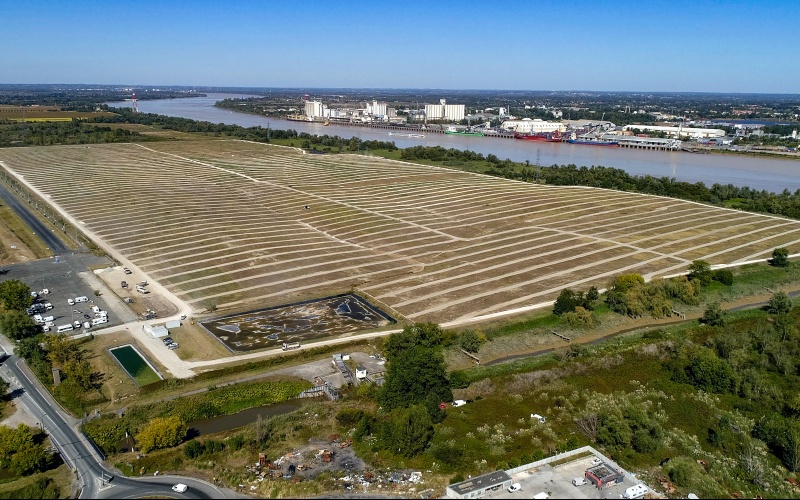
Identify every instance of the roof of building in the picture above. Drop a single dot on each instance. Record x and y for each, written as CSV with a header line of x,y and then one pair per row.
x,y
480,483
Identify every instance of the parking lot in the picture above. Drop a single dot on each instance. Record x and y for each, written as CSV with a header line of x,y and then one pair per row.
x,y
556,481
66,278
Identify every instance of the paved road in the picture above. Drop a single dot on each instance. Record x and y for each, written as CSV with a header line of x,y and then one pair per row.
x,y
37,226
95,480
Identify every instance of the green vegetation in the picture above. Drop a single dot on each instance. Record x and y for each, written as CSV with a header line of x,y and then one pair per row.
x,y
721,394
22,450
108,430
159,433
74,131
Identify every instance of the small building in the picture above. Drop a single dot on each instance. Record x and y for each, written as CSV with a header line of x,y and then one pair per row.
x,y
175,323
361,372
478,486
157,331
603,475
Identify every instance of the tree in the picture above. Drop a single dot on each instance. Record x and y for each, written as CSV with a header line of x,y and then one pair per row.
x,y
427,335
412,376
780,257
17,325
779,303
15,295
412,430
700,270
567,301
714,315
471,341
161,433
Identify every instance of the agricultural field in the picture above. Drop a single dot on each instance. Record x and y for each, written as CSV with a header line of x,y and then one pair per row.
x,y
44,114
237,226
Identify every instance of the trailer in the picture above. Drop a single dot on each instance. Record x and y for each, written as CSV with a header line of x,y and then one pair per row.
x,y
288,346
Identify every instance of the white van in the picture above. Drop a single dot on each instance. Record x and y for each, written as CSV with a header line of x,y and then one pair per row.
x,y
65,328
95,309
38,318
82,298
99,321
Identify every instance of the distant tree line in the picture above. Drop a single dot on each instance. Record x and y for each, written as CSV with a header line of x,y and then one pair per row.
x,y
51,133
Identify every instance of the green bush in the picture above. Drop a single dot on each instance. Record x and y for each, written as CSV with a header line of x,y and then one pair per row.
x,y
193,449
348,417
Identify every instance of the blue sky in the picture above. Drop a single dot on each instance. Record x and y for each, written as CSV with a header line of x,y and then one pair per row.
x,y
704,46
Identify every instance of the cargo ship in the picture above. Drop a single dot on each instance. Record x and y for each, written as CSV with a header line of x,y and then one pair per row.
x,y
593,142
545,137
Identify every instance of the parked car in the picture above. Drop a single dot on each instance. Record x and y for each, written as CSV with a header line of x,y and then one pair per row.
x,y
167,340
514,487
596,461
124,284
173,346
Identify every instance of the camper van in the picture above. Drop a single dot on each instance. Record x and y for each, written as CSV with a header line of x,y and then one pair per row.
x,y
65,328
636,491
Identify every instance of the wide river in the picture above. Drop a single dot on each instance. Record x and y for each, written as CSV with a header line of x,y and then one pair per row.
x,y
771,174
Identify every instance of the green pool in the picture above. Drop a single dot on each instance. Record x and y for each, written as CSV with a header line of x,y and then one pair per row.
x,y
135,365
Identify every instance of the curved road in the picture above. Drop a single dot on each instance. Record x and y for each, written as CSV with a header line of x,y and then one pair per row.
x,y
78,453
41,230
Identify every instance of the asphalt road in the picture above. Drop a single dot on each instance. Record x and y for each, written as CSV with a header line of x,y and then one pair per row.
x,y
39,228
95,480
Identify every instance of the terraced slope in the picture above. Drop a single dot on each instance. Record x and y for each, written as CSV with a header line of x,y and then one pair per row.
x,y
245,225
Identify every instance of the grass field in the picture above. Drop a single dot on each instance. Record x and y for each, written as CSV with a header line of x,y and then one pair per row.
x,y
245,225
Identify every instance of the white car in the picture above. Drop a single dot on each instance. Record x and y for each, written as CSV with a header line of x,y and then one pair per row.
x,y
180,488
514,487
596,461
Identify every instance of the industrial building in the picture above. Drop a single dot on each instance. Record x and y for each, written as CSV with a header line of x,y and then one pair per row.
x,y
533,126
444,111
697,133
480,485
315,109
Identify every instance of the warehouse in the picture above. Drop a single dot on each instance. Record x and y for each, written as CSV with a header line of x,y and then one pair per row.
x,y
535,126
679,131
480,485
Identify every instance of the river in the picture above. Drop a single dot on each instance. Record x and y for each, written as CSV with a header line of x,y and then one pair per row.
x,y
771,174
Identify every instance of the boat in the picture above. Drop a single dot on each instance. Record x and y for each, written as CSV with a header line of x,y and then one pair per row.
x,y
455,131
420,136
593,142
542,136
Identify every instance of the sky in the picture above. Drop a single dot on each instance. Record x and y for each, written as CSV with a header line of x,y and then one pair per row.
x,y
677,46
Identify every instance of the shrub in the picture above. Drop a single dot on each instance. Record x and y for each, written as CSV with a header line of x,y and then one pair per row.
x,y
348,417
193,449
724,276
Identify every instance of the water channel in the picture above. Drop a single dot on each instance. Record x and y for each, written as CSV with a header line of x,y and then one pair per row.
x,y
771,174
